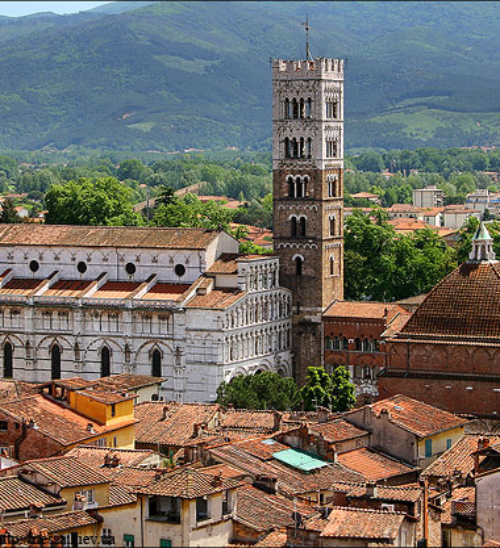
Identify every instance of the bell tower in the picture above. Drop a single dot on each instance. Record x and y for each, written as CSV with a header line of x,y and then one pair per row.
x,y
308,159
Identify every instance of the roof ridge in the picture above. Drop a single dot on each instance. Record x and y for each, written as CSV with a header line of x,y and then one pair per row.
x,y
368,510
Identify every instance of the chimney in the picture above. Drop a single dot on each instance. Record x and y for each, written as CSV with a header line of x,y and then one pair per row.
x,y
35,510
323,414
217,480
277,421
79,503
196,430
90,428
385,411
107,459
483,443
115,461
165,412
371,490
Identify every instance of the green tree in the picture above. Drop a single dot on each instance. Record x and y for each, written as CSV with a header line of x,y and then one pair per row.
x,y
262,391
9,214
85,202
343,390
317,390
132,169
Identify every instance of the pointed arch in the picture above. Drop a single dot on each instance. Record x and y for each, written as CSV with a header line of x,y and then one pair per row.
x,y
105,361
55,361
8,362
156,359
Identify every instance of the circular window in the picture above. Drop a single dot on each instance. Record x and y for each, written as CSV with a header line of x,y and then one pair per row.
x,y
180,269
82,267
130,268
34,266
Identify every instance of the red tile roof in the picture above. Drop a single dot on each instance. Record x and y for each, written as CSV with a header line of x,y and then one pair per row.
x,y
106,236
338,430
247,418
18,286
262,511
67,288
225,264
406,493
417,417
357,523
115,290
361,309
133,478
373,465
16,494
65,471
95,456
119,496
52,524
163,291
275,539
218,299
59,423
224,470
462,501
459,457
466,304
188,483
178,428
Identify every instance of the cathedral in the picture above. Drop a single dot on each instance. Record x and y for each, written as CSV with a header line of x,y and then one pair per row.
x,y
175,303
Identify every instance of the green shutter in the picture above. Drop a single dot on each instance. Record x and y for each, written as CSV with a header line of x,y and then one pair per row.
x,y
165,543
128,541
428,448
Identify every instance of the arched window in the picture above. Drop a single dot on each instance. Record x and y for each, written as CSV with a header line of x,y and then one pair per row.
x,y
309,108
367,372
295,109
287,148
293,227
298,188
287,108
309,147
298,266
156,363
332,225
302,151
55,362
358,345
304,186
291,187
302,109
302,226
328,343
332,266
8,368
295,148
105,362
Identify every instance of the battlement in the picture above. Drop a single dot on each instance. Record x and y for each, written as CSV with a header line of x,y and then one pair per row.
x,y
319,68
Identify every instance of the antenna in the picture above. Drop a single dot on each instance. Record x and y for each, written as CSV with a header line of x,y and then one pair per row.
x,y
306,25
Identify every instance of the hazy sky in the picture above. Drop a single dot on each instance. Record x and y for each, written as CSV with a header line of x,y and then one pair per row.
x,y
14,9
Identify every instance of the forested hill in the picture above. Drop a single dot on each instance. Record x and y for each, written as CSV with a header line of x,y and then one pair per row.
x,y
176,75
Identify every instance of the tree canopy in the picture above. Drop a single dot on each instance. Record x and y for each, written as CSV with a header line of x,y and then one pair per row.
x,y
261,391
335,392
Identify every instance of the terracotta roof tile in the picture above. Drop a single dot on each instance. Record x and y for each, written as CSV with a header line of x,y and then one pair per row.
x,y
357,523
225,264
133,478
373,465
262,511
219,299
119,496
14,389
224,470
115,290
459,457
188,483
406,493
55,421
178,426
465,304
51,524
338,430
275,539
95,456
417,417
65,471
99,236
16,494
369,310
246,418
168,292
67,288
18,286
462,501
126,381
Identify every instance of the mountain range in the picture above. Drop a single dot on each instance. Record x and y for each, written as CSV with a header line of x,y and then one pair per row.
x,y
177,75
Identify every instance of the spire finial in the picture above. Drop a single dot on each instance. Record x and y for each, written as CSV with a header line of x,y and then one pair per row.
x,y
482,246
306,25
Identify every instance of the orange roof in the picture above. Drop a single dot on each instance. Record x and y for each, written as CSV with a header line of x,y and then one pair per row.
x,y
115,290
216,299
18,286
338,430
68,521
225,264
373,465
466,304
168,292
67,288
463,500
367,195
362,309
357,523
415,416
105,236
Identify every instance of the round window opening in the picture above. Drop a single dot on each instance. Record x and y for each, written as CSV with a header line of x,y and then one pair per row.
x,y
82,267
34,266
130,268
180,269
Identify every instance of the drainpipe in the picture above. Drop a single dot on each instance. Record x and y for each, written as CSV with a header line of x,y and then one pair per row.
x,y
141,499
426,512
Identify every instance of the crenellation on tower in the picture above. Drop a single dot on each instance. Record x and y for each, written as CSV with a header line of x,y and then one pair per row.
x,y
308,159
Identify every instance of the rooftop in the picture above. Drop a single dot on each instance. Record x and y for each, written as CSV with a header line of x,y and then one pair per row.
x,y
417,417
373,465
16,494
95,457
105,236
357,523
337,430
51,524
368,310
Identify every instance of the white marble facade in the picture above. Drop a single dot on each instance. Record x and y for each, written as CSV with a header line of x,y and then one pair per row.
x,y
90,301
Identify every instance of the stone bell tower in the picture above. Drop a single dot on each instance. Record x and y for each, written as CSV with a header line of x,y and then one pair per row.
x,y
308,157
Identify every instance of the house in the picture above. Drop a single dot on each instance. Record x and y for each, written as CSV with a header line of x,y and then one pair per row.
x,y
487,505
455,216
410,430
187,507
353,338
430,196
367,196
65,528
